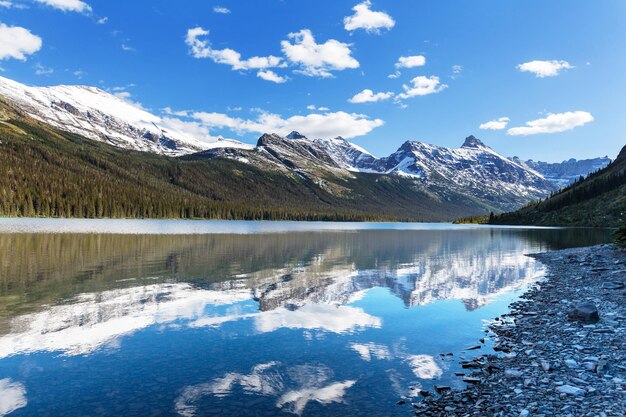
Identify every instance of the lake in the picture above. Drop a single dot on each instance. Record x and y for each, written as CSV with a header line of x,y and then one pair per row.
x,y
202,318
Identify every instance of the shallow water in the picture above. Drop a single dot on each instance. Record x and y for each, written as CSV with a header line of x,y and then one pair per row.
x,y
249,318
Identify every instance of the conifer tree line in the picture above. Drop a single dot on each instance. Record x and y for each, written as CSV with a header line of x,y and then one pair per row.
x,y
49,173
596,200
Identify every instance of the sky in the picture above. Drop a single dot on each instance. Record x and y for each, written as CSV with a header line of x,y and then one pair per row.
x,y
542,80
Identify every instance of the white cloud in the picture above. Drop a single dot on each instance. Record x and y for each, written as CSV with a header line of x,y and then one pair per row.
x,y
318,60
67,5
411,61
394,75
368,96
365,18
41,70
544,68
17,42
334,319
314,107
270,75
201,48
368,350
79,74
497,124
102,20
456,71
553,123
12,396
327,125
221,10
295,401
424,366
421,86
127,48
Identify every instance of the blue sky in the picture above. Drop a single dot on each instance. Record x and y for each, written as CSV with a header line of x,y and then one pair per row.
x,y
559,63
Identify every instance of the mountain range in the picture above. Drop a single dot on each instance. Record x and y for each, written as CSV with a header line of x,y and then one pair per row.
x,y
328,176
599,200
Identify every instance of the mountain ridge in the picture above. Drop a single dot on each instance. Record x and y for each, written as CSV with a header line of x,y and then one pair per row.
x,y
473,173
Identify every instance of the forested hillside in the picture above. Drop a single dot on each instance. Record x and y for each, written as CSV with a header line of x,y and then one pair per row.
x,y
46,172
598,200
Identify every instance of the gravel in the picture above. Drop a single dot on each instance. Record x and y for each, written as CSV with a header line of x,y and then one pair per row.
x,y
560,351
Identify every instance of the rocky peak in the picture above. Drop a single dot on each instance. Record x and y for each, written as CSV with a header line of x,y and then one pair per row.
x,y
295,135
267,139
473,142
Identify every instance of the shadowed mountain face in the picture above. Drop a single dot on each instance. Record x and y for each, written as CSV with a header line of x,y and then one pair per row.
x,y
474,170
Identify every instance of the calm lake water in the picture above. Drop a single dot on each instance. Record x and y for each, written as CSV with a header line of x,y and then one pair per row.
x,y
183,318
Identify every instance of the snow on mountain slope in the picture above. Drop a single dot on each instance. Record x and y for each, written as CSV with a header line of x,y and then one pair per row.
x,y
566,172
346,154
98,115
474,169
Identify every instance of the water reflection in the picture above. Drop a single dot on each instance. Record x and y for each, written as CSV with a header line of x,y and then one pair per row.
x,y
304,323
308,383
12,396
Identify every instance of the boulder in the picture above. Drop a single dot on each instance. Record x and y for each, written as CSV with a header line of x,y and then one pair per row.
x,y
585,312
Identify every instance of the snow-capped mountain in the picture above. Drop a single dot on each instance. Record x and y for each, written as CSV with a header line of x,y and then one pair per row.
x,y
566,172
473,173
474,169
98,115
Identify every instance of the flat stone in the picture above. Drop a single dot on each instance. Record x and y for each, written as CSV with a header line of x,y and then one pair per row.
x,y
513,373
571,390
442,388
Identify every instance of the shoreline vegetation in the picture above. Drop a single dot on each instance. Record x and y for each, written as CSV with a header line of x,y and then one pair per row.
x,y
559,351
45,172
599,200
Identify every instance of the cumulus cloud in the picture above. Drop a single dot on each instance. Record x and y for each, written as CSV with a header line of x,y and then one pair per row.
x,y
318,59
17,42
327,125
497,124
270,75
221,10
200,47
553,123
411,61
421,86
543,69
67,5
367,19
368,96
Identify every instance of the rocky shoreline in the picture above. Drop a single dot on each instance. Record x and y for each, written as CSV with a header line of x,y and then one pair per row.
x,y
561,350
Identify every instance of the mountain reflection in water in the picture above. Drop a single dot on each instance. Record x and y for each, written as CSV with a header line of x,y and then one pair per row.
x,y
306,322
